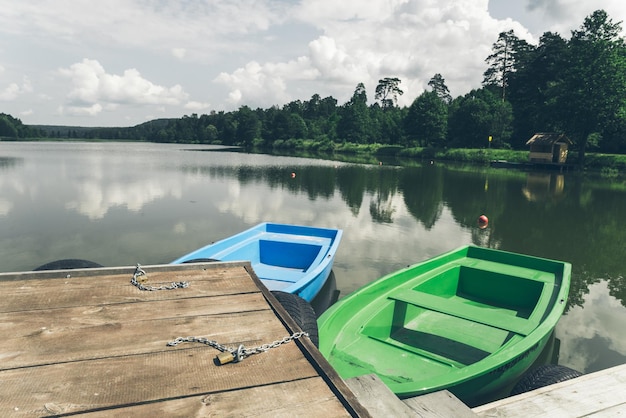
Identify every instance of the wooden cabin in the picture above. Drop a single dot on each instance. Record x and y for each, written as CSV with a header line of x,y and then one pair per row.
x,y
549,148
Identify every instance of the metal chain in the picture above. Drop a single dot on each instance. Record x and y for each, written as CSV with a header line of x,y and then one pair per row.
x,y
237,354
240,352
139,272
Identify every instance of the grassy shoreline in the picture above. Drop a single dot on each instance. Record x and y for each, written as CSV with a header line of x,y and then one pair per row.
x,y
606,163
610,164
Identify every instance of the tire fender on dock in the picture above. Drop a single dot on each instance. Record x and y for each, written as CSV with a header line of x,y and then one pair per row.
x,y
68,264
301,312
545,375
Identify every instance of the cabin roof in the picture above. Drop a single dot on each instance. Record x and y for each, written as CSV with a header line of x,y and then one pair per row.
x,y
544,138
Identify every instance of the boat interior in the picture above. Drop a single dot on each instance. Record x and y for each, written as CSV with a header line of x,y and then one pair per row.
x,y
279,257
464,311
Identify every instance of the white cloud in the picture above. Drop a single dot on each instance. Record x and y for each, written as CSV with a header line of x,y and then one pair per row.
x,y
14,90
560,16
334,63
179,52
92,110
235,96
197,106
256,52
151,24
92,85
600,316
328,12
266,84
409,39
27,87
94,199
10,92
5,207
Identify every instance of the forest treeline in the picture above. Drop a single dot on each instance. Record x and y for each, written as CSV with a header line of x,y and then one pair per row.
x,y
575,86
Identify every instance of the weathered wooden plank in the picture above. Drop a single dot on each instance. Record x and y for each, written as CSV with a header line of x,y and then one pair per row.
x,y
60,344
92,341
303,398
382,402
103,383
103,271
596,394
22,323
52,293
610,412
441,404
376,397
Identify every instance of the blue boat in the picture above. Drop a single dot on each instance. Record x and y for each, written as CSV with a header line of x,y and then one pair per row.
x,y
288,258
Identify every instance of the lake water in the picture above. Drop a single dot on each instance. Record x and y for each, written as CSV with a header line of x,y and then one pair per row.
x,y
121,204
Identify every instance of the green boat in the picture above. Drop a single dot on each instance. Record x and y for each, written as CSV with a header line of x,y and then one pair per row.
x,y
471,321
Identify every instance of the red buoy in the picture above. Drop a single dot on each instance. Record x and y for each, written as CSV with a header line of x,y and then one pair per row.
x,y
483,221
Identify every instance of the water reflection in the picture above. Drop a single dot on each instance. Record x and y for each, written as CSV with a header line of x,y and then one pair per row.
x,y
590,334
119,204
543,186
95,199
5,207
9,162
6,165
328,295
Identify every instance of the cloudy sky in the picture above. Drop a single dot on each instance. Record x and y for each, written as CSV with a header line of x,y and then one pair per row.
x,y
123,62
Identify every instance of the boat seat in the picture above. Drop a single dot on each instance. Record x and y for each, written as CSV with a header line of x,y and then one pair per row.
x,y
462,310
278,274
508,269
299,239
247,249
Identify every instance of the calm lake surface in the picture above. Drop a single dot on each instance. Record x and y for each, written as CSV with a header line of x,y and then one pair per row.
x,y
121,204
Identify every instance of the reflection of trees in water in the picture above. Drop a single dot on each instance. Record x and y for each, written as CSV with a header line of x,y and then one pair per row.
x,y
352,183
9,162
579,286
422,188
544,186
471,194
384,189
617,288
380,211
484,237
315,181
585,225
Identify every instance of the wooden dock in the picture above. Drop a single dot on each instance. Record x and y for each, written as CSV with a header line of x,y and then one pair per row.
x,y
89,343
599,394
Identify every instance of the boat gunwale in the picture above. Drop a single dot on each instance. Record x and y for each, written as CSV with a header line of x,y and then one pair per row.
x,y
322,262
509,352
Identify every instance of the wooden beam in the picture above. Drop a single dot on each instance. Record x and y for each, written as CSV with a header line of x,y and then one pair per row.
x,y
382,402
598,394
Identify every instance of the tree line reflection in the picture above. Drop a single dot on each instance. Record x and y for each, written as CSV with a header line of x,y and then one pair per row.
x,y
552,215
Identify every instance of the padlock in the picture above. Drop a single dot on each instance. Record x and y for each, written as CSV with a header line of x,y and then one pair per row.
x,y
225,357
